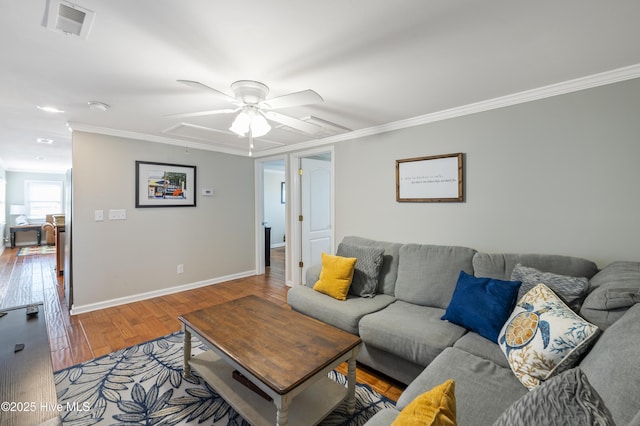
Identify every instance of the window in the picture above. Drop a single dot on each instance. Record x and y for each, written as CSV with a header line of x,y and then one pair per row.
x,y
43,198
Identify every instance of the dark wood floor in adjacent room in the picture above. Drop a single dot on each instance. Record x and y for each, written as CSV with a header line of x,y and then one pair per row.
x,y
78,338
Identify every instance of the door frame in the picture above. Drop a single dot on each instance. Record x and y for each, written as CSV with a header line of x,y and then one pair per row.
x,y
294,209
259,210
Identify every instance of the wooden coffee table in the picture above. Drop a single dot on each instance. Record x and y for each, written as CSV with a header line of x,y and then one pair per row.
x,y
285,354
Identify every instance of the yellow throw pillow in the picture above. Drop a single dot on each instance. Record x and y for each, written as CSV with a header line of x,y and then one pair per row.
x,y
335,276
436,407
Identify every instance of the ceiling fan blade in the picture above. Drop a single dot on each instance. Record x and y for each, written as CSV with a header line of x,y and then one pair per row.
x,y
292,122
203,113
200,86
304,97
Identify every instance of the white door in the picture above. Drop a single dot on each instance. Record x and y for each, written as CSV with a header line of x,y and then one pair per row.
x,y
316,211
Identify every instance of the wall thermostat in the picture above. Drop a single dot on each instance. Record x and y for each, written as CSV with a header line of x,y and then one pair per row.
x,y
207,192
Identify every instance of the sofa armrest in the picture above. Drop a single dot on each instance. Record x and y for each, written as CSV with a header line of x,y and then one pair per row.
x,y
313,274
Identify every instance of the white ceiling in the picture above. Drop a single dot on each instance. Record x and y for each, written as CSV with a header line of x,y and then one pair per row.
x,y
374,62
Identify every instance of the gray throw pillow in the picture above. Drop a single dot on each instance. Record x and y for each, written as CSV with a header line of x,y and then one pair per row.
x,y
616,286
567,399
367,269
613,291
571,290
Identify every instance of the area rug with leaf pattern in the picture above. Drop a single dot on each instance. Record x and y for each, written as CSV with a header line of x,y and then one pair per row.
x,y
144,385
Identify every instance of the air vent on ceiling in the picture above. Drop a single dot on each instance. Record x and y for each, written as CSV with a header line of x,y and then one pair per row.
x,y
69,18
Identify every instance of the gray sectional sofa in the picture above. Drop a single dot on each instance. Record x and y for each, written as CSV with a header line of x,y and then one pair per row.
x,y
405,338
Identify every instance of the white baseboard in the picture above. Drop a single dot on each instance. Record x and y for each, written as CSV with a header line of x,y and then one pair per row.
x,y
81,309
276,245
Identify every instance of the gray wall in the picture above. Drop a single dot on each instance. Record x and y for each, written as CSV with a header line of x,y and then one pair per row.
x,y
121,259
558,175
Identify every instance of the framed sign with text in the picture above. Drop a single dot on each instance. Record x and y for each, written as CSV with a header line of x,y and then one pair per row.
x,y
431,179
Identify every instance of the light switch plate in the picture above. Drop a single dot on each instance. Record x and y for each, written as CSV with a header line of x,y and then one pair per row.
x,y
98,215
117,214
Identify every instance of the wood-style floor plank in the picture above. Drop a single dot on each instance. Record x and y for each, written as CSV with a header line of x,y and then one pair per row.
x,y
79,338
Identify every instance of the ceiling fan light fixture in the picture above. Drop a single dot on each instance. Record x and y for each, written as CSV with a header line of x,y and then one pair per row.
x,y
250,120
259,126
256,111
240,125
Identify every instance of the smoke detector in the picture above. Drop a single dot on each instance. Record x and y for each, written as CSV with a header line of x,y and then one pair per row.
x,y
68,18
97,106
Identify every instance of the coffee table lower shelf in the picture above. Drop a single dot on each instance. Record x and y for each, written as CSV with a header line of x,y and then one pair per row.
x,y
308,408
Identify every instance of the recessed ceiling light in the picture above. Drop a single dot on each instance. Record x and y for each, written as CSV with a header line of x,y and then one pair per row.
x,y
49,109
98,106
45,141
40,158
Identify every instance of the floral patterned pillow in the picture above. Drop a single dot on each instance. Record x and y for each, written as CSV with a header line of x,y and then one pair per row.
x,y
543,337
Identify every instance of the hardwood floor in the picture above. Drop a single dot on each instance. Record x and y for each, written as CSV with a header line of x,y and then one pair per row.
x,y
78,338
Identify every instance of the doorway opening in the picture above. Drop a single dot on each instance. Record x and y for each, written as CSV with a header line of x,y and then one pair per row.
x,y
312,189
271,212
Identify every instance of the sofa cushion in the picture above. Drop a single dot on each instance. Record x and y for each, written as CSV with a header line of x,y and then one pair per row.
x,y
413,332
435,407
572,290
613,290
544,337
427,274
389,269
335,276
479,346
384,417
566,399
344,314
313,274
482,304
367,270
484,390
613,366
400,369
500,265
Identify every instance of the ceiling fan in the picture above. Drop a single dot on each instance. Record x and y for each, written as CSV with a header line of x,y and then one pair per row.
x,y
254,110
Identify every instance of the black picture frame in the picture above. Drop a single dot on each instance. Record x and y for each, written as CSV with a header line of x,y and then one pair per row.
x,y
165,185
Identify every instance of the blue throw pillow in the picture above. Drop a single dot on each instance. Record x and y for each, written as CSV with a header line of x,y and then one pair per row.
x,y
482,305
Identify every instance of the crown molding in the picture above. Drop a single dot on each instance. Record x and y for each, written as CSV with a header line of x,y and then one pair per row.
x,y
562,88
570,86
82,127
544,92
